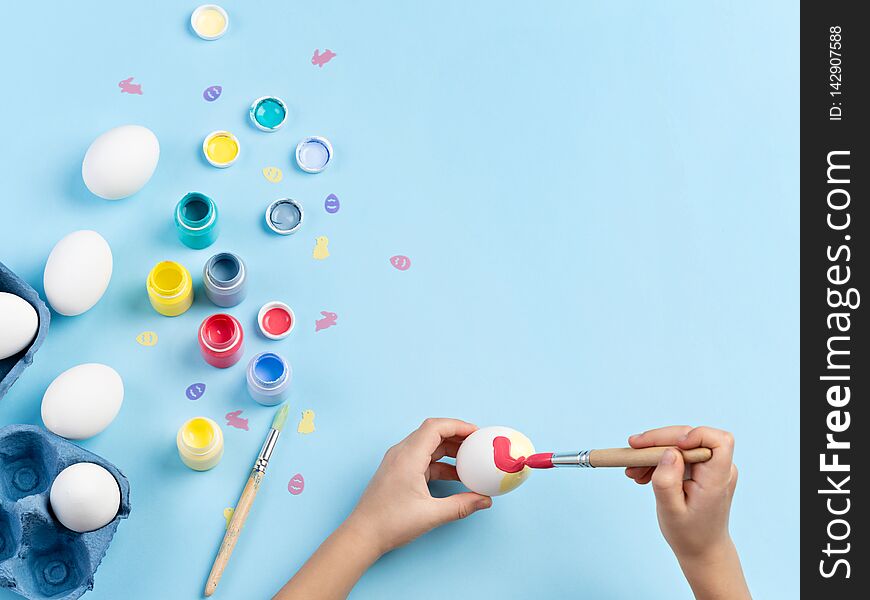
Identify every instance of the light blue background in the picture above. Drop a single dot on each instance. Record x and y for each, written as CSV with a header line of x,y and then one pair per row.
x,y
600,201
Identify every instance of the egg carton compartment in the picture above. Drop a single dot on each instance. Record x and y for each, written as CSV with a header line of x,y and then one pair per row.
x,y
12,366
39,557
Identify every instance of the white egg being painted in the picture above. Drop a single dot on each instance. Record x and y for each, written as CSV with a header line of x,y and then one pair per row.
x,y
121,161
475,461
18,324
77,272
82,401
85,497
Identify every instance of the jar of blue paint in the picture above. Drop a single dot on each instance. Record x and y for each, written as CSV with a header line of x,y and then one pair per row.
x,y
225,279
196,219
284,216
269,378
313,154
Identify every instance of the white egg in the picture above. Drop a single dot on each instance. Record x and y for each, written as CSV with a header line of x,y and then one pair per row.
x,y
18,324
121,161
475,462
85,497
82,401
77,272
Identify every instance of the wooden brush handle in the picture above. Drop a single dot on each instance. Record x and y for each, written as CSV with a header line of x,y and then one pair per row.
x,y
243,507
643,457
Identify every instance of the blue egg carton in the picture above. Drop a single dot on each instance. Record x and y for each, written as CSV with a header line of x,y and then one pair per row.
x,y
39,557
12,366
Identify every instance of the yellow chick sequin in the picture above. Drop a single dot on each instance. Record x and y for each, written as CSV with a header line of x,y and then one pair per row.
x,y
321,250
306,425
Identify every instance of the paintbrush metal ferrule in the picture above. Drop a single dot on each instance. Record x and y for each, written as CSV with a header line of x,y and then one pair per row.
x,y
572,459
271,439
266,451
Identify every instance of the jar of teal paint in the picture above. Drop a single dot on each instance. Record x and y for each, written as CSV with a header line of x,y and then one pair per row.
x,y
196,219
268,113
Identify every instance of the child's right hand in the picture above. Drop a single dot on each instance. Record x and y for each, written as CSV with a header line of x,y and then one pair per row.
x,y
693,513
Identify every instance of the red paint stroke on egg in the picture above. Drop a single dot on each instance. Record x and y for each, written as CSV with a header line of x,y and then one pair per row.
x,y
233,420
296,485
501,454
402,263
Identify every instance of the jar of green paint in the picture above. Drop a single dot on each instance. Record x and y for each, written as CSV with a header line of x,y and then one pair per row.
x,y
196,219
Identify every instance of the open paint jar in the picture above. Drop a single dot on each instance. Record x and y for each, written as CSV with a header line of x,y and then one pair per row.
x,y
221,149
284,216
313,154
196,219
209,21
170,288
221,340
268,113
269,378
276,320
225,279
200,443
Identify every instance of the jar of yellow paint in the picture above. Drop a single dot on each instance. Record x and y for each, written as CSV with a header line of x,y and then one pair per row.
x,y
221,149
170,288
200,443
209,21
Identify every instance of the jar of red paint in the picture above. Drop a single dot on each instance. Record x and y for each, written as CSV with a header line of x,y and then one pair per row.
x,y
221,340
276,320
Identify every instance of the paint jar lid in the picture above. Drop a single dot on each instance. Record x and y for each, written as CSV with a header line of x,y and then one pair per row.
x,y
313,154
284,216
276,320
221,148
209,21
268,113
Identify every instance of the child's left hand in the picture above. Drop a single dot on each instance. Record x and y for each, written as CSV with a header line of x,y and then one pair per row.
x,y
397,506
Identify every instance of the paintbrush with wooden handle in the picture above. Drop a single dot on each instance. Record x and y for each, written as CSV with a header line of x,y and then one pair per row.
x,y
609,457
625,457
243,507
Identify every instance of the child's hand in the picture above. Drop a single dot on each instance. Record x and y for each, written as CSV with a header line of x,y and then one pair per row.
x,y
397,506
693,513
